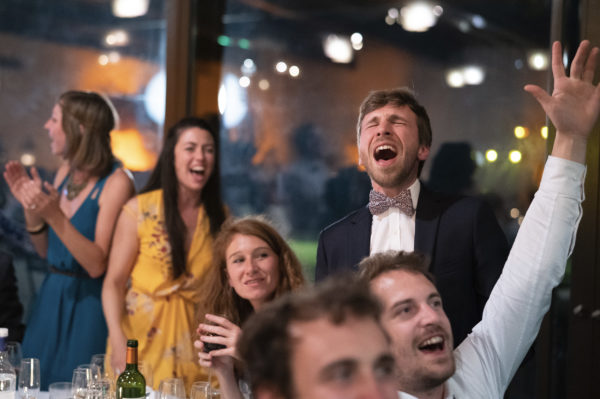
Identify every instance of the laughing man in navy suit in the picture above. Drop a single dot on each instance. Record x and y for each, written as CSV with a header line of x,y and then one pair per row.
x,y
460,235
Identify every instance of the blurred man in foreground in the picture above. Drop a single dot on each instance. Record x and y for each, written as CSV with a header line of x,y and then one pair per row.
x,y
321,343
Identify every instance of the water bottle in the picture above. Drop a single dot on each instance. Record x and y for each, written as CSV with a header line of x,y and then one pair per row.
x,y
8,377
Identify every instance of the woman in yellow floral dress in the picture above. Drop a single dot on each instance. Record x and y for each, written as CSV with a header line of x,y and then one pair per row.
x,y
161,249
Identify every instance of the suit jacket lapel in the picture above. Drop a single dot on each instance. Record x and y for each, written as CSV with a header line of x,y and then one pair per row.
x,y
426,223
359,236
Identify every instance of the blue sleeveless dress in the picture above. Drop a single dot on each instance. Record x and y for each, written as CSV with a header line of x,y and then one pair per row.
x,y
67,326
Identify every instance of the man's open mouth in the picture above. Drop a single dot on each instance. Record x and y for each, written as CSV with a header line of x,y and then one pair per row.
x,y
384,153
433,344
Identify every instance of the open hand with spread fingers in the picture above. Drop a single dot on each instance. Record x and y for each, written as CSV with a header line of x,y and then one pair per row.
x,y
574,105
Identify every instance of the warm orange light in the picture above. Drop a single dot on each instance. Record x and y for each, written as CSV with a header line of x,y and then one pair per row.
x,y
129,147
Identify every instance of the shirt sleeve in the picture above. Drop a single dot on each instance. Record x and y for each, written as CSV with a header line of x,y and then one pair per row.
x,y
487,360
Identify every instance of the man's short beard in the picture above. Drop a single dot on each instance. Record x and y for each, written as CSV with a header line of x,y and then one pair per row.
x,y
390,180
424,382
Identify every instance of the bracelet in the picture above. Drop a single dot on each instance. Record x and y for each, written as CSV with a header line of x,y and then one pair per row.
x,y
40,228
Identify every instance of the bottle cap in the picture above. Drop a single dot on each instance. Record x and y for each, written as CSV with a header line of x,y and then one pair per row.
x,y
3,332
132,343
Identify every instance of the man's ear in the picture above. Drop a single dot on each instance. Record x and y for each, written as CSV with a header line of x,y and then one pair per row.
x,y
267,392
423,152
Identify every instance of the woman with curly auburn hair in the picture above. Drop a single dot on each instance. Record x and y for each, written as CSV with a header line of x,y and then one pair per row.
x,y
252,265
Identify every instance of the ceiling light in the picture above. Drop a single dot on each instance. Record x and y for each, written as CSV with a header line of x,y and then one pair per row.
x,y
117,38
338,49
521,132
129,8
356,38
248,67
103,59
478,21
417,17
473,75
264,84
538,60
515,156
294,71
244,81
455,78
27,159
491,155
281,67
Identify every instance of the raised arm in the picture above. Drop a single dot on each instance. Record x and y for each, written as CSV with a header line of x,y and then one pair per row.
x,y
574,104
537,260
122,257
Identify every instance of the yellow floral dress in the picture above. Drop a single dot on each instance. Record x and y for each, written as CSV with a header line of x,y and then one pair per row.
x,y
160,311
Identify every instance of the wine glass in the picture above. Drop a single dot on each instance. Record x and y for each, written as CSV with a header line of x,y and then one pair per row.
x,y
81,382
200,390
97,367
100,389
146,369
171,388
88,369
13,348
29,381
60,390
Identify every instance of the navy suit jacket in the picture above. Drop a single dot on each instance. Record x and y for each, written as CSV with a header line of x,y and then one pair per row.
x,y
461,236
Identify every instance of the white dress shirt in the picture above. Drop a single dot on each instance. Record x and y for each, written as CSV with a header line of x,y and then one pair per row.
x,y
393,229
488,358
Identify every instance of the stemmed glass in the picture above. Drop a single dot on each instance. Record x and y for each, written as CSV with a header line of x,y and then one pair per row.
x,y
97,367
82,378
100,389
29,381
13,348
171,388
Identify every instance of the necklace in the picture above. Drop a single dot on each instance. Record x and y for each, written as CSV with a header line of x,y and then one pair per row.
x,y
72,189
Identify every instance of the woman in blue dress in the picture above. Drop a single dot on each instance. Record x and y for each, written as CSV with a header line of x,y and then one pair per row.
x,y
71,223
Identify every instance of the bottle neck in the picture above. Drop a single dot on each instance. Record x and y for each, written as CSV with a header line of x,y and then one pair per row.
x,y
132,358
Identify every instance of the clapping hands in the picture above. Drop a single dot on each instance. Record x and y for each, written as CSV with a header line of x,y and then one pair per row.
x,y
29,191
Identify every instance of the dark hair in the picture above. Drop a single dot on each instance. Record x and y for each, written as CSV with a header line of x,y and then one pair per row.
x,y
265,345
164,177
375,265
397,97
218,297
87,120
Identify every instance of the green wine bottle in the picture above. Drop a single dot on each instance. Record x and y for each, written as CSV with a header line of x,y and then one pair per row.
x,y
131,383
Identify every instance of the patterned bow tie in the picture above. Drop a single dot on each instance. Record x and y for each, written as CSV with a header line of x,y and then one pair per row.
x,y
379,203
